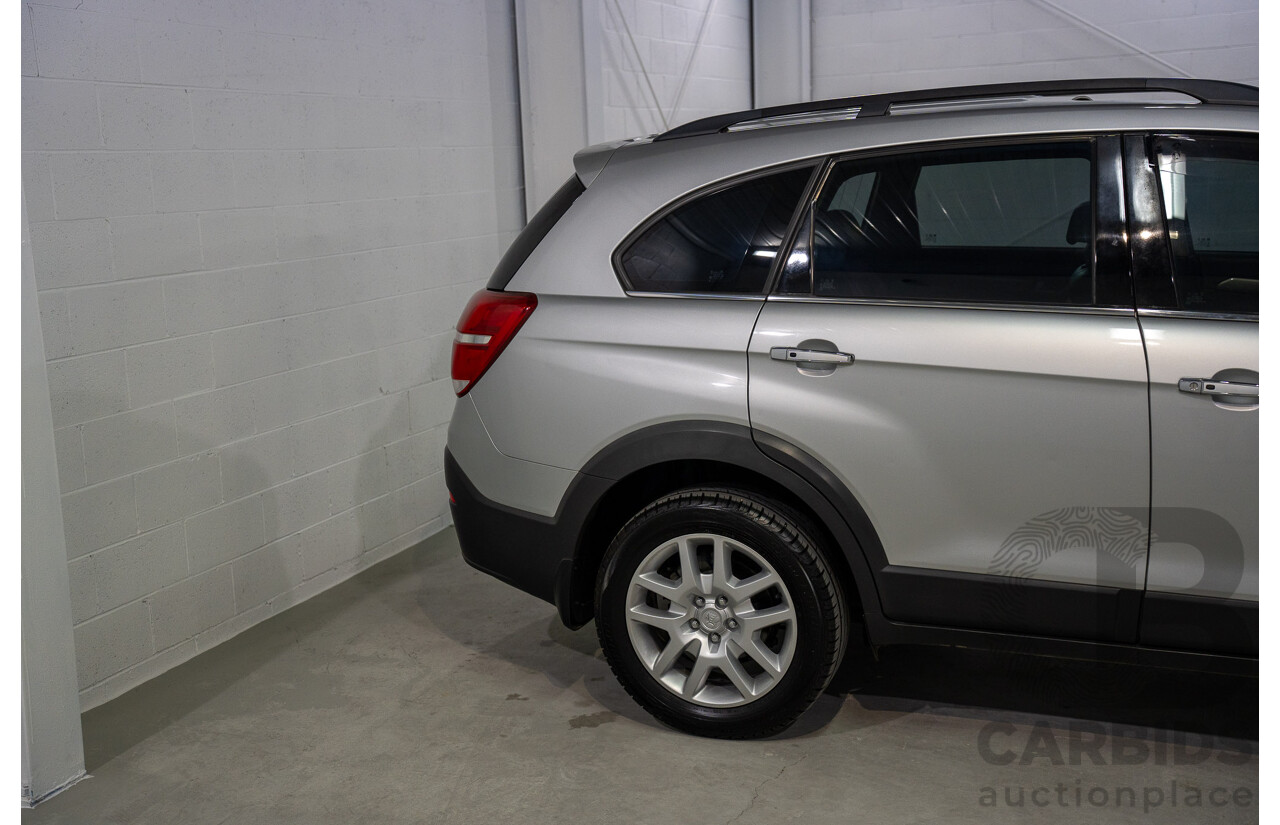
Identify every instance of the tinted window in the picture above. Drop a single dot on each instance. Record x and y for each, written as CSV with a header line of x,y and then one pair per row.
x,y
989,224
724,241
1209,191
1011,202
853,194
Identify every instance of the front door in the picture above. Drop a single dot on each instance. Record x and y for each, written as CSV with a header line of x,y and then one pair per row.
x,y
1196,199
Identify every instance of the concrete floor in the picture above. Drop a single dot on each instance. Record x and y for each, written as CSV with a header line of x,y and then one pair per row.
x,y
423,691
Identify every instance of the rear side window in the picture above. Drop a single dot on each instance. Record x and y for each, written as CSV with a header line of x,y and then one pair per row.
x,y
533,233
1209,190
1003,203
998,224
722,242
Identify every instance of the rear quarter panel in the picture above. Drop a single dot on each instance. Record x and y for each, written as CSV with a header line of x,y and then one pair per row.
x,y
584,371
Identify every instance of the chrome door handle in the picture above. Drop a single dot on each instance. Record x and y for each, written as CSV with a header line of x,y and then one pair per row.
x,y
809,356
1208,386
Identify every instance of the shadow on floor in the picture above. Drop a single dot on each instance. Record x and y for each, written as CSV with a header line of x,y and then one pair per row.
x,y
1003,686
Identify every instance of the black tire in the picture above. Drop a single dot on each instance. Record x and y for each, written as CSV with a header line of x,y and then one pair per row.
x,y
754,663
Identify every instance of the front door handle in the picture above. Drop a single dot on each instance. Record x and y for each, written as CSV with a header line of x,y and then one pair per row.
x,y
1208,386
809,356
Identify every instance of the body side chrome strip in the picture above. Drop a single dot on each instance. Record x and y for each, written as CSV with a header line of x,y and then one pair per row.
x,y
697,296
1206,316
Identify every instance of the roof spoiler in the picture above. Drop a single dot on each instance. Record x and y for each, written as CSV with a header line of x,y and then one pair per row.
x,y
588,162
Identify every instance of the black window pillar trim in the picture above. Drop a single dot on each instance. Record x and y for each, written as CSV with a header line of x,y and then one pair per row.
x,y
1113,281
1148,242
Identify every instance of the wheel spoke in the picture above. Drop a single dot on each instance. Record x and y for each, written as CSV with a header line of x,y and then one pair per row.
x,y
763,656
667,658
652,616
760,582
721,570
690,577
697,678
756,620
660,585
739,676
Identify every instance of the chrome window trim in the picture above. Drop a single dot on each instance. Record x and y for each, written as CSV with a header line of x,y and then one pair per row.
x,y
1204,316
946,144
699,296
1057,309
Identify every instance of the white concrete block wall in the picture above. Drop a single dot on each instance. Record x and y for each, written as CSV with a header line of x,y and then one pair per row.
x,y
253,227
646,50
862,47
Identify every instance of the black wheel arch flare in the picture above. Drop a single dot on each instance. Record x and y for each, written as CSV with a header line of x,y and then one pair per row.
x,y
713,451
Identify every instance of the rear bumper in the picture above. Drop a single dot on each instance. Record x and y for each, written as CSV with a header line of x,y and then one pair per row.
x,y
530,552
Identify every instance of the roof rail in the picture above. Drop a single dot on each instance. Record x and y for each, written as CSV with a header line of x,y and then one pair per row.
x,y
1206,91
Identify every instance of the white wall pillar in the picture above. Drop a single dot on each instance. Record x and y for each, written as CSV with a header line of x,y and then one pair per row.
x,y
593,70
780,52
600,70
52,748
553,110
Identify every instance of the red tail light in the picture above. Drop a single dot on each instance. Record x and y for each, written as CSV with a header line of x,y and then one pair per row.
x,y
487,325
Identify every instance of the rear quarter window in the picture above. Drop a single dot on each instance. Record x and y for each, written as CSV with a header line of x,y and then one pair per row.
x,y
724,241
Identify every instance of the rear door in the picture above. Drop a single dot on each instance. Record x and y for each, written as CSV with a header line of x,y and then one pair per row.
x,y
954,338
1195,212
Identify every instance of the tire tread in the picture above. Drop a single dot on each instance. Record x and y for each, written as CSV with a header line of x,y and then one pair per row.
x,y
790,528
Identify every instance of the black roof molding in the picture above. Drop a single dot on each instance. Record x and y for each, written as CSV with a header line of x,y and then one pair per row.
x,y
1206,91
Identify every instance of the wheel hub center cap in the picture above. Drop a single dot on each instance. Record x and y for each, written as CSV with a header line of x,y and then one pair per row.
x,y
711,619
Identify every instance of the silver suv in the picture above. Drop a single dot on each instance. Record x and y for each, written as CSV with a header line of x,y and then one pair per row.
x,y
972,366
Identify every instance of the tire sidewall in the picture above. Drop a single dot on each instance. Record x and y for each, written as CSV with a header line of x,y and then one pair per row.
x,y
735,521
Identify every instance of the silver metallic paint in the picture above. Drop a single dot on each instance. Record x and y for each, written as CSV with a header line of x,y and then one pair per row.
x,y
955,427
939,393
1205,457
584,371
524,485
